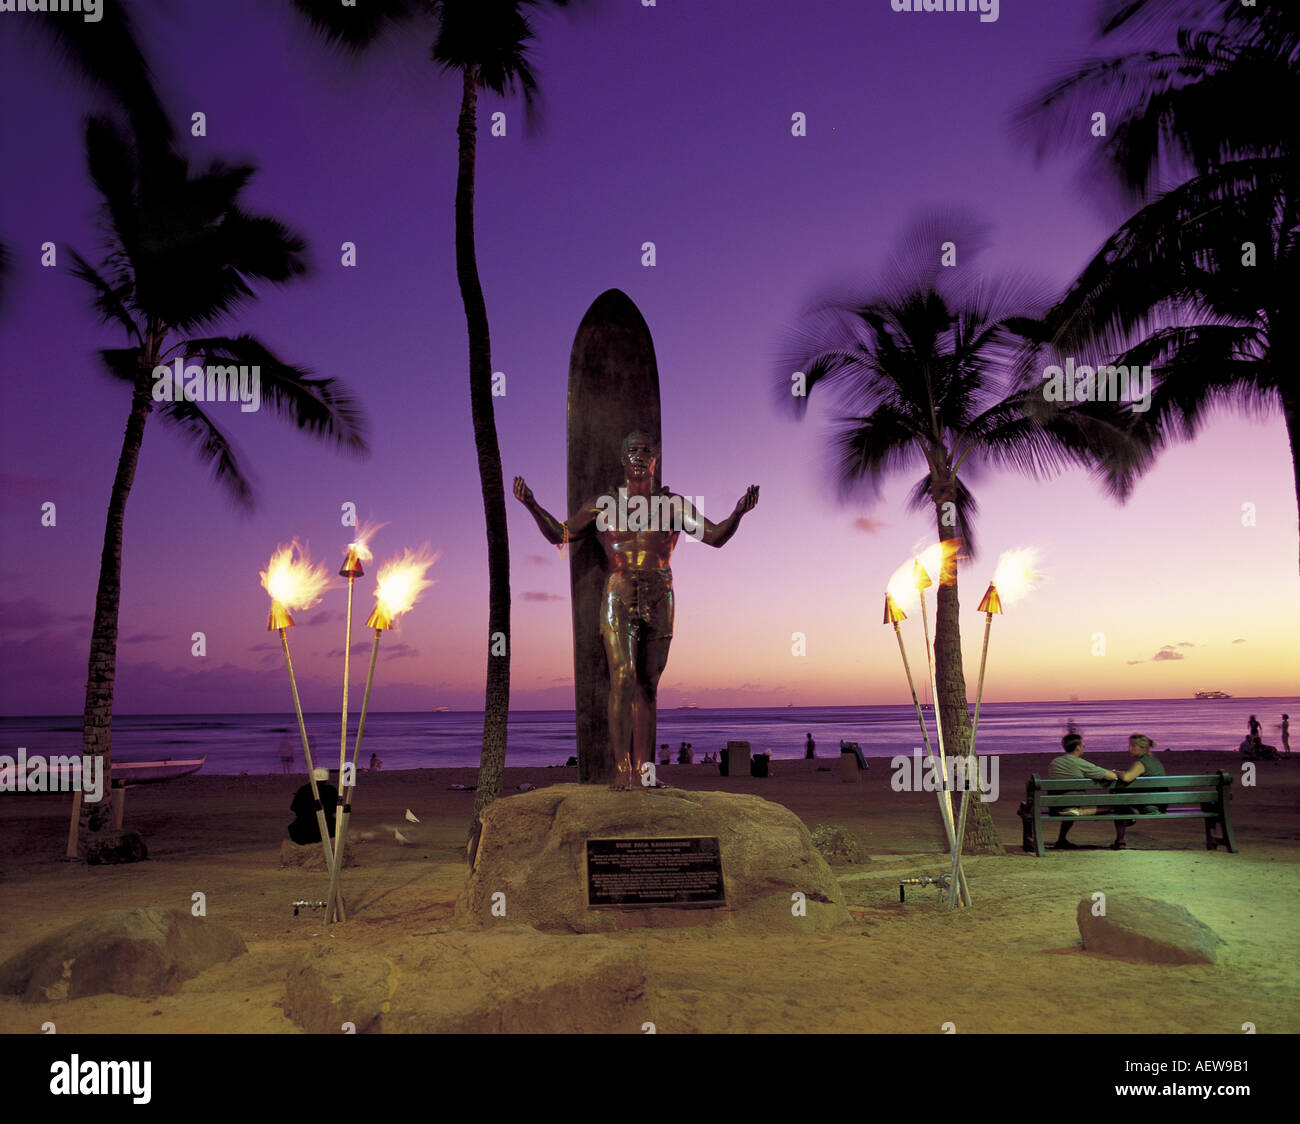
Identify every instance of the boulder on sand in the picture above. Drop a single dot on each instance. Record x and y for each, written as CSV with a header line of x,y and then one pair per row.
x,y
139,952
1147,929
533,850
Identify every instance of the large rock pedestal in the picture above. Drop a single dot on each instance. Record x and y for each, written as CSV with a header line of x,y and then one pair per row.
x,y
533,850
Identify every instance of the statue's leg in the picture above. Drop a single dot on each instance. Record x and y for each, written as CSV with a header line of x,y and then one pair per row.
x,y
654,657
620,652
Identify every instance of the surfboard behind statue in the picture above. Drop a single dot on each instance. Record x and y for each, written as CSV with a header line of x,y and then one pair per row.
x,y
613,389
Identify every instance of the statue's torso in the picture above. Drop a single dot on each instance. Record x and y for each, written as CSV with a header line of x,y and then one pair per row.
x,y
627,549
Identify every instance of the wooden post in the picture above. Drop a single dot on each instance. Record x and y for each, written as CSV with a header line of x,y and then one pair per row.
x,y
74,825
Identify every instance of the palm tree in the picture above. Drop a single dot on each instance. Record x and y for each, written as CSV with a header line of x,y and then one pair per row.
x,y
487,42
6,265
182,256
927,371
1177,286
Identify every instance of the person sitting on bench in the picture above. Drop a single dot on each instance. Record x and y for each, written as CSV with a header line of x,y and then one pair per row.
x,y
1143,764
1068,766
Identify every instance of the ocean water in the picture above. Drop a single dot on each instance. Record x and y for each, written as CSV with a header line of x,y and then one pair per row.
x,y
250,743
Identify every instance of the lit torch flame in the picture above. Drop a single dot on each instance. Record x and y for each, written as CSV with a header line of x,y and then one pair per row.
x,y
938,560
293,582
399,585
359,550
1015,575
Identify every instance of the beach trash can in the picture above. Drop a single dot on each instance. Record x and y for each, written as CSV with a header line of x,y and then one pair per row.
x,y
759,765
735,759
850,769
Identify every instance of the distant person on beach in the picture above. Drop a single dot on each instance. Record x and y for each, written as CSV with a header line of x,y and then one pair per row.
x,y
685,755
1254,749
1068,766
1286,734
1253,723
809,748
375,764
304,829
1142,764
286,754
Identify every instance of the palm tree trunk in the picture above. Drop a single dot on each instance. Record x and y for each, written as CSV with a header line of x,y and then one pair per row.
x,y
496,699
97,718
1291,414
950,682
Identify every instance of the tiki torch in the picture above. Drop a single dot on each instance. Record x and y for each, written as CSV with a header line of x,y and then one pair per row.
x,y
921,581
399,585
903,579
358,552
991,604
1015,572
294,583
894,615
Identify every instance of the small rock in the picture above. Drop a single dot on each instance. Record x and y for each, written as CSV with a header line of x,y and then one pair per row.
x,y
112,846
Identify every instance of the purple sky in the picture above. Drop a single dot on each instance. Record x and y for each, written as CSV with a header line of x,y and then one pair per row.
x,y
668,124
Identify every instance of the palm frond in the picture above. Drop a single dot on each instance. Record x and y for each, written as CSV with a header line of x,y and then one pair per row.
x,y
110,299
213,447
107,54
319,407
354,28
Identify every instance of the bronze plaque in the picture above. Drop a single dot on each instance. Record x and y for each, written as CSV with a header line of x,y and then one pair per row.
x,y
673,873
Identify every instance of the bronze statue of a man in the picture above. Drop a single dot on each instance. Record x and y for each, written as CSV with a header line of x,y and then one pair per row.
x,y
637,526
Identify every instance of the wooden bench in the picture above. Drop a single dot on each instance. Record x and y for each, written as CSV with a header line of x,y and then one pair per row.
x,y
1205,797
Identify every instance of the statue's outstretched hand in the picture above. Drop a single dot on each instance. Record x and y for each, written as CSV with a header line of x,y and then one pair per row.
x,y
523,493
748,501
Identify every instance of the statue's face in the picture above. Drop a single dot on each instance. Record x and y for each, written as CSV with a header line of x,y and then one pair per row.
x,y
639,456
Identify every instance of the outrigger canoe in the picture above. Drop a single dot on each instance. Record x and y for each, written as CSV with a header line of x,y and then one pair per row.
x,y
140,772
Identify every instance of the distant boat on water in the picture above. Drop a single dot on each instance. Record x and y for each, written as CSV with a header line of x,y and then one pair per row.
x,y
1211,695
442,710
688,706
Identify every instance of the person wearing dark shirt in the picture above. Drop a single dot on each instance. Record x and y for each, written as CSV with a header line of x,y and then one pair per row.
x,y
305,830
1142,763
809,748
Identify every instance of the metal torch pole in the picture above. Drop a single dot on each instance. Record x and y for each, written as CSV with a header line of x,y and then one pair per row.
x,y
975,726
306,749
345,805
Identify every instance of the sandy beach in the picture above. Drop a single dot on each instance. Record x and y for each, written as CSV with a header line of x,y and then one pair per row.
x,y
998,967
